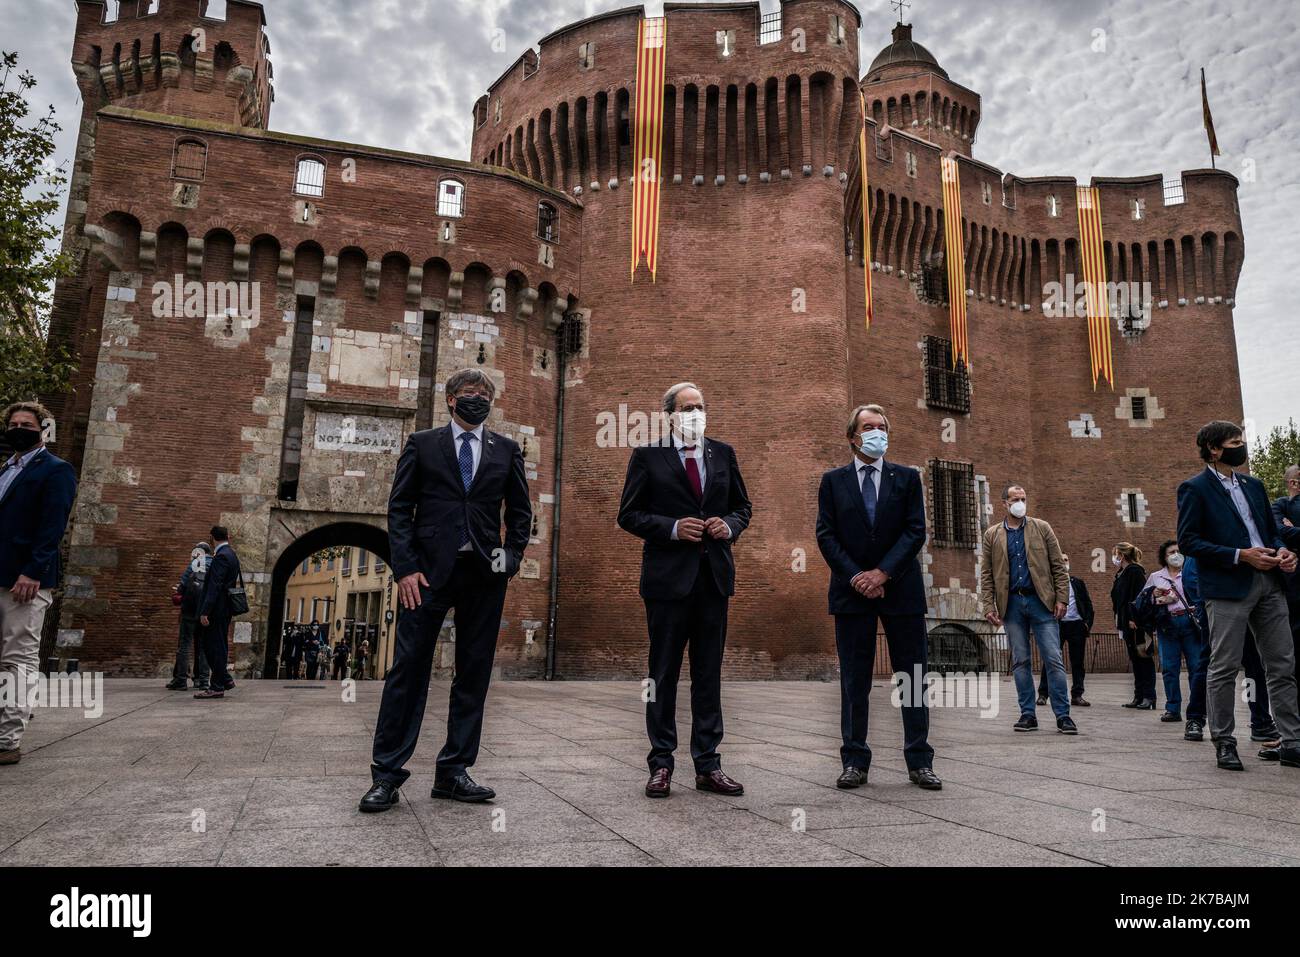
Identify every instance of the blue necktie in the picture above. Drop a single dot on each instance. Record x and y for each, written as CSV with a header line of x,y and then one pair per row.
x,y
466,459
869,494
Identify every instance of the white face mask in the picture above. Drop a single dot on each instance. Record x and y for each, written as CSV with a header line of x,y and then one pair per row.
x,y
1175,561
1018,509
689,425
1114,560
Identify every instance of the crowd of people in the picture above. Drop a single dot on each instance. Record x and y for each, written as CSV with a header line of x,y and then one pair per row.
x,y
1221,597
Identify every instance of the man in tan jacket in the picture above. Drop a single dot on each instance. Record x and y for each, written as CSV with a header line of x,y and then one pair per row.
x,y
1024,585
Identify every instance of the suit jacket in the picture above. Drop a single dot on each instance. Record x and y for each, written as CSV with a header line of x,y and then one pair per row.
x,y
656,493
33,516
851,543
1289,508
1046,570
429,507
1082,601
1210,529
222,574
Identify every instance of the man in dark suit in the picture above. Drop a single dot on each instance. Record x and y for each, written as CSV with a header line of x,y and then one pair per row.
x,y
1076,626
444,529
36,493
870,528
215,613
1225,523
1286,512
684,496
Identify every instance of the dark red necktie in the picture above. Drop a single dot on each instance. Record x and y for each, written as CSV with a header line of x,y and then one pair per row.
x,y
693,473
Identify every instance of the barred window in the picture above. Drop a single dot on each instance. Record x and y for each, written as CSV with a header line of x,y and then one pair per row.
x,y
451,198
310,180
769,28
548,222
945,387
190,160
952,487
934,281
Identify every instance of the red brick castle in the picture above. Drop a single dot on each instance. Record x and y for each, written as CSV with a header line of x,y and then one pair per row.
x,y
327,289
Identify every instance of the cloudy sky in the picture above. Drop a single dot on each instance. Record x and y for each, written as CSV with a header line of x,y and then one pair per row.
x,y
1069,87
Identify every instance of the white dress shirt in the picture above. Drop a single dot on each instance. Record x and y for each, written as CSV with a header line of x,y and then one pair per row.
x,y
1232,486
476,449
1071,609
878,465
697,453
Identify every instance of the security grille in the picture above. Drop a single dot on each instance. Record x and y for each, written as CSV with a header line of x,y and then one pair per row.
x,y
311,178
769,28
953,490
945,387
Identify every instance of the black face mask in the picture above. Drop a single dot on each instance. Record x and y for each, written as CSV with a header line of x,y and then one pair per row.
x,y
472,408
1235,457
22,440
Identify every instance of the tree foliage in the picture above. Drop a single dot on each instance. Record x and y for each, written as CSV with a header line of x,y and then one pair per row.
x,y
1271,456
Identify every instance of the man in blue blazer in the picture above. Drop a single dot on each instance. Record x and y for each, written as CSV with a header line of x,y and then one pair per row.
x,y
36,493
1225,523
215,613
870,528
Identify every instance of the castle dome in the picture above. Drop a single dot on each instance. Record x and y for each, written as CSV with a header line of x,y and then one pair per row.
x,y
903,52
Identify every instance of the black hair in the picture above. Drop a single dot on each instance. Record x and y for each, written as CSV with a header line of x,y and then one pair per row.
x,y
220,533
1214,435
1164,551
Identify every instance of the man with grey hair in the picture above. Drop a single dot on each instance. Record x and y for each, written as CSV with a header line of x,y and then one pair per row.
x,y
870,529
454,487
684,496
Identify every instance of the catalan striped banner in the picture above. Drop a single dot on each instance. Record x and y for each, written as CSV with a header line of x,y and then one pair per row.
x,y
1092,251
955,256
866,207
648,140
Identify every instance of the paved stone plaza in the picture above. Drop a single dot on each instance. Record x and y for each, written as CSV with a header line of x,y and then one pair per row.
x,y
276,769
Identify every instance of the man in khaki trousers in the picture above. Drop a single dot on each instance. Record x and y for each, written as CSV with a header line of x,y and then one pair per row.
x,y
36,493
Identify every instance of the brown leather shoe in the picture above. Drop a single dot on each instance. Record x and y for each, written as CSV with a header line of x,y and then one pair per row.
x,y
660,783
718,782
11,757
1078,702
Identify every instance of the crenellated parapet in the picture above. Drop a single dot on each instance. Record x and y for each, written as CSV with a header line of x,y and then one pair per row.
x,y
173,56
1180,239
748,98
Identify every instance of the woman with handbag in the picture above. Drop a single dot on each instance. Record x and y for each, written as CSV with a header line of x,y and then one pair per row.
x,y
1130,579
1179,631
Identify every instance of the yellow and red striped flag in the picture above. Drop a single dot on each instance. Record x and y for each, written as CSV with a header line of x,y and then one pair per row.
x,y
648,139
955,254
866,207
1092,251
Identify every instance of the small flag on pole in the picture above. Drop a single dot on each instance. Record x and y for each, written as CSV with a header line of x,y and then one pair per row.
x,y
648,121
1209,120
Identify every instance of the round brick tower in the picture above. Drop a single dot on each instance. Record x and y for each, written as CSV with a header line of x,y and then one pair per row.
x,y
749,303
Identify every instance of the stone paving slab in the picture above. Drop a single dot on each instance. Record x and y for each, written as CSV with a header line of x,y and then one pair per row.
x,y
271,776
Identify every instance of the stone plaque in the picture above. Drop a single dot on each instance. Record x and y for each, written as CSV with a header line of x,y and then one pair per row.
x,y
337,432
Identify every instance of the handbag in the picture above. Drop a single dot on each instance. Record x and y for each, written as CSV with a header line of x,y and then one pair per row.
x,y
1192,611
176,599
238,598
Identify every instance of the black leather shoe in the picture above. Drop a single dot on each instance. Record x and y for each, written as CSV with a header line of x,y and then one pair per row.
x,y
1078,702
1226,756
1065,725
1195,730
381,796
1171,716
1290,757
1027,722
926,779
229,685
461,787
1265,734
852,778
1146,704
1042,700
1273,753
1132,704
176,686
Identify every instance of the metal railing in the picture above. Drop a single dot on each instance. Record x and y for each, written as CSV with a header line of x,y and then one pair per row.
x,y
1105,653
